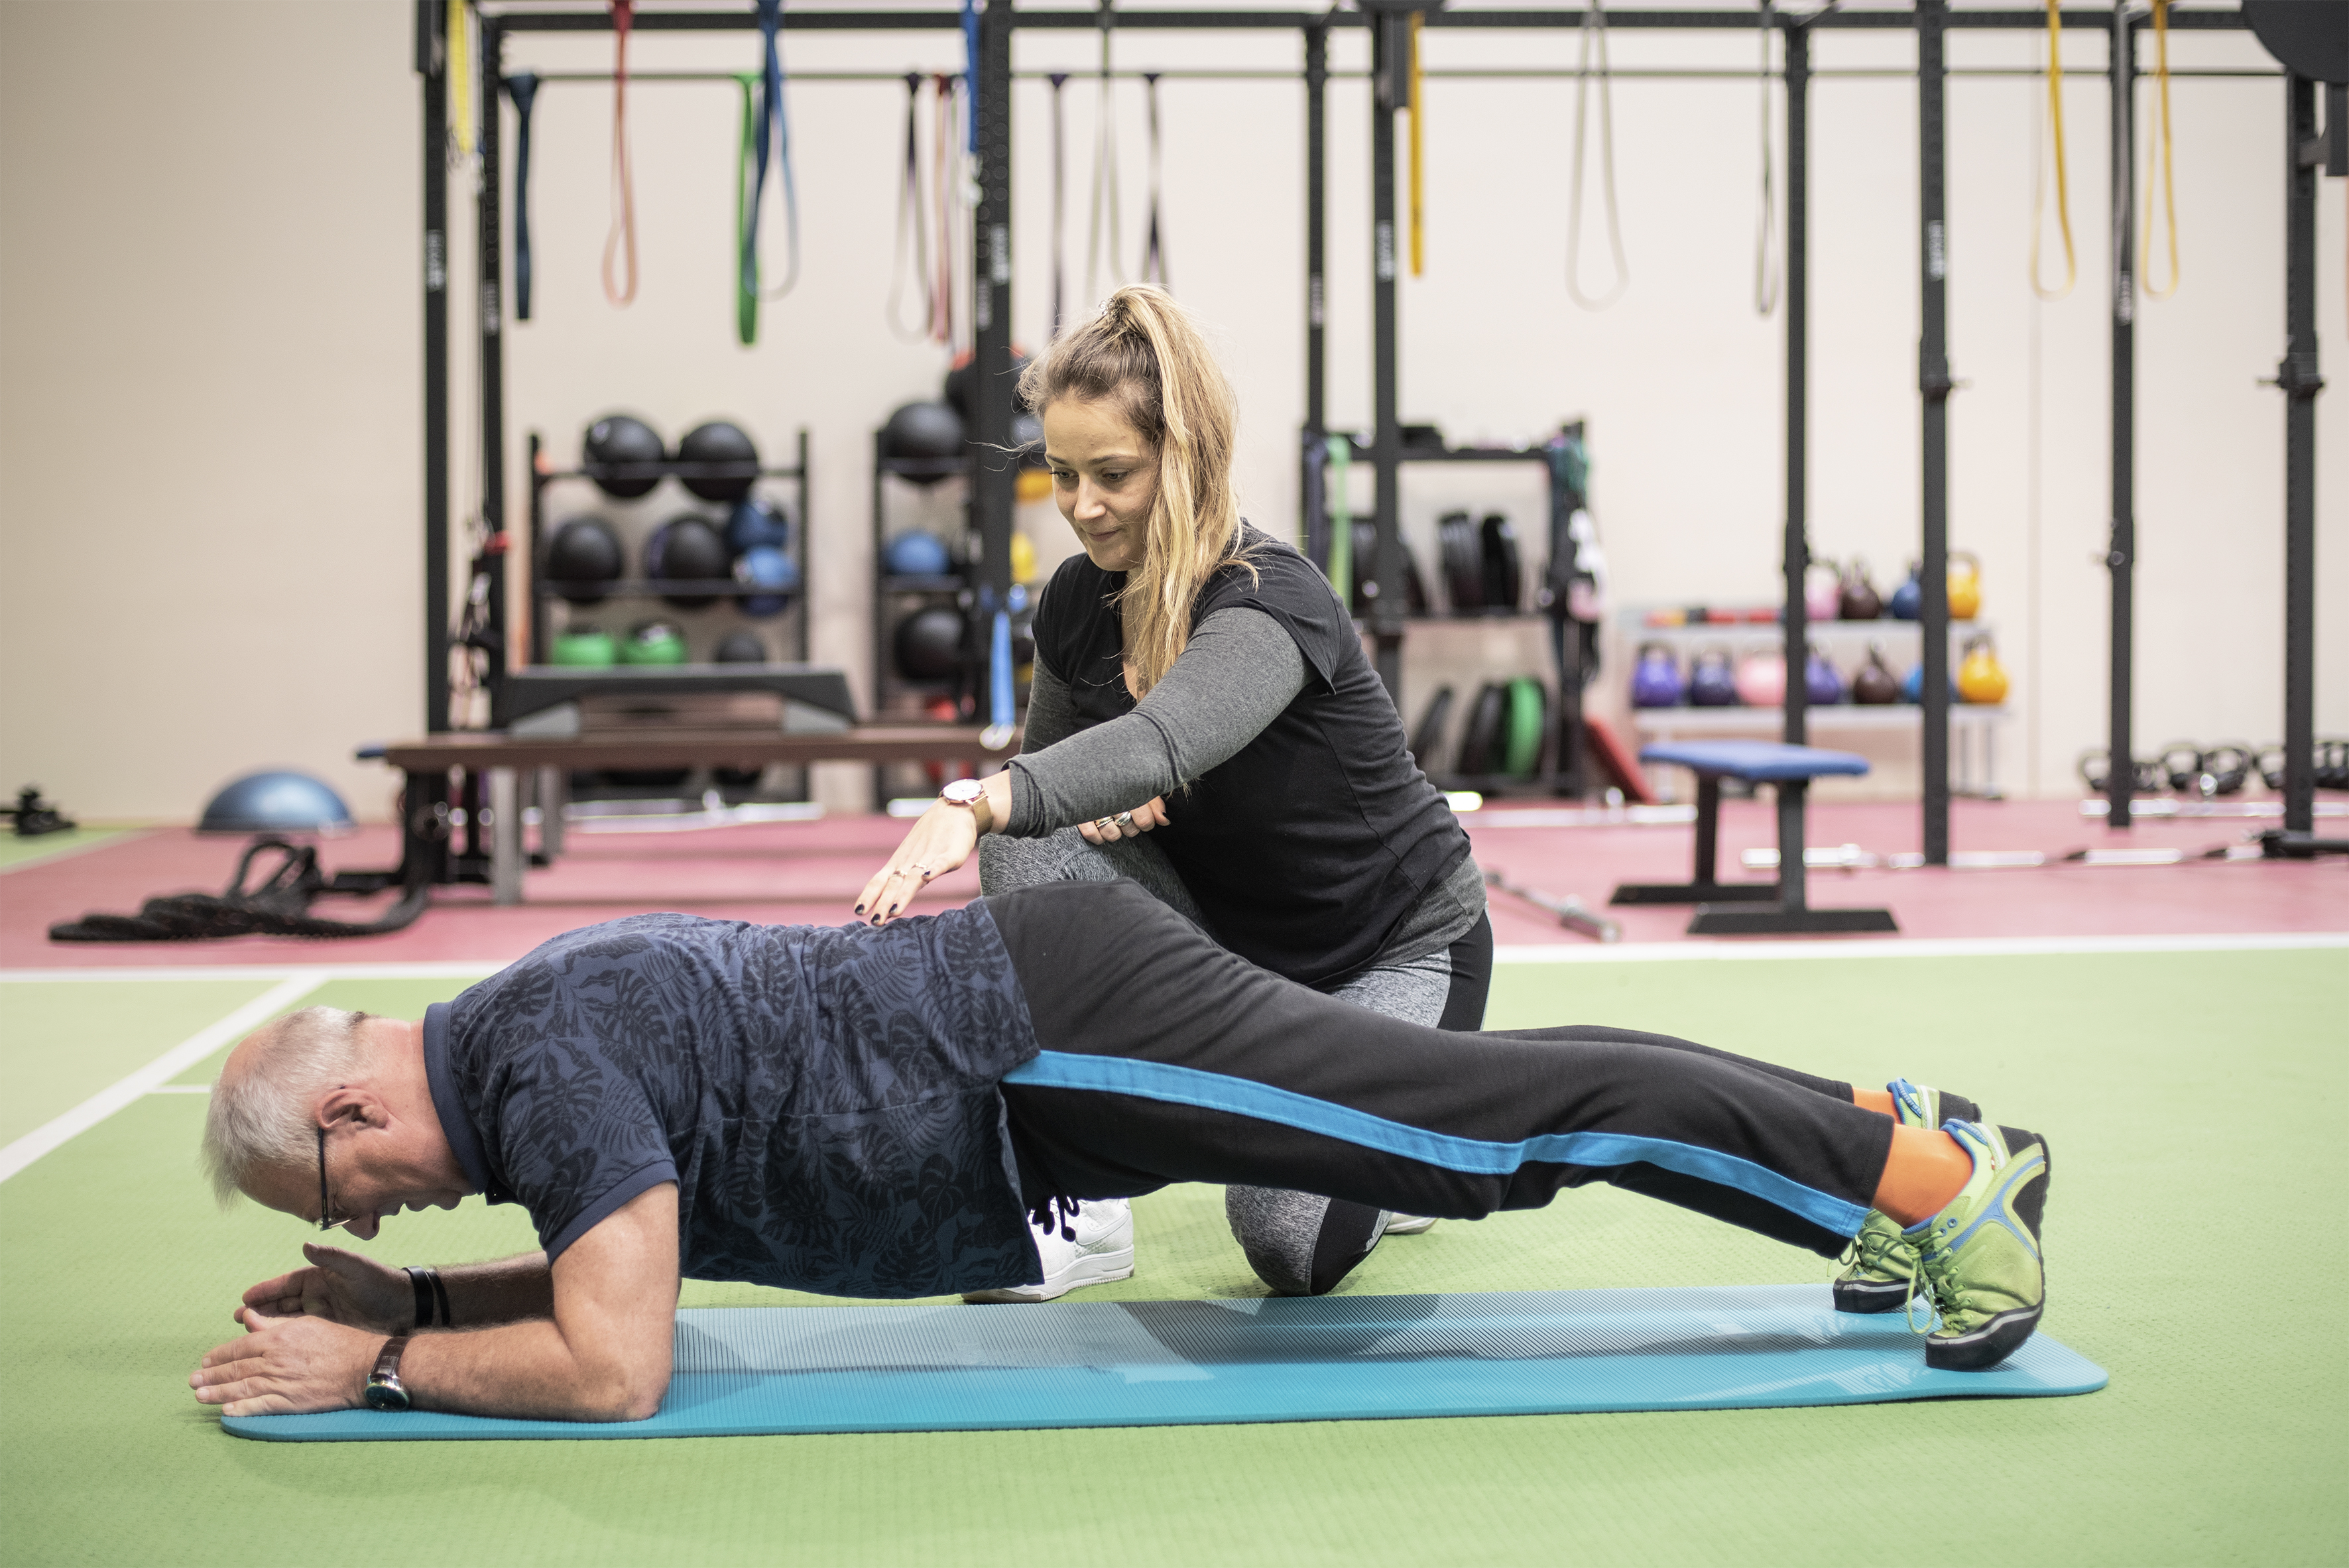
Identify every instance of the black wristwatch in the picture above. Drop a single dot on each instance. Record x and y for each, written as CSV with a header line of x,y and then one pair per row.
x,y
383,1388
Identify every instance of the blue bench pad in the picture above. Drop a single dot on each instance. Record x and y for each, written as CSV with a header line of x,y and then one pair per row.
x,y
747,1370
1763,761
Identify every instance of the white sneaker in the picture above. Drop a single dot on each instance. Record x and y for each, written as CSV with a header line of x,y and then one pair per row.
x,y
1103,1252
1407,1224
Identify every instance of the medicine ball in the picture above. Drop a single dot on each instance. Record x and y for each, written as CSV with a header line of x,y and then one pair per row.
x,y
653,642
622,455
754,522
726,457
764,566
589,647
962,386
922,432
929,644
687,549
585,558
916,553
739,647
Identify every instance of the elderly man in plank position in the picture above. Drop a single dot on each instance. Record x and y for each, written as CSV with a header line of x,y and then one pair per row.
x,y
878,1111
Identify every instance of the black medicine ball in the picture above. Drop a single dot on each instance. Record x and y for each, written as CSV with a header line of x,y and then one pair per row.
x,y
730,462
583,559
929,644
962,388
622,455
684,550
739,648
926,432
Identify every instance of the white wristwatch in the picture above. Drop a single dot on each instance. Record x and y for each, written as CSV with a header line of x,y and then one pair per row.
x,y
970,794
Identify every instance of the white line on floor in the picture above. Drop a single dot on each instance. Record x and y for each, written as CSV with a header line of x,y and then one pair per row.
x,y
154,1074
319,974
1915,948
181,1088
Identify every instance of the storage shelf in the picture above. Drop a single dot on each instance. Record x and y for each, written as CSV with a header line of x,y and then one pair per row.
x,y
1837,716
1833,631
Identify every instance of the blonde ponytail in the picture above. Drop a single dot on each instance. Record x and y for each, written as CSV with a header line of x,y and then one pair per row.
x,y
1144,355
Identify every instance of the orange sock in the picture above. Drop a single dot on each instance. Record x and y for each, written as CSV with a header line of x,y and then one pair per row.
x,y
1922,1175
1878,1100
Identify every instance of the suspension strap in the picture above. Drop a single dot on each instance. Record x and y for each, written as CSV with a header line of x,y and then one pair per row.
x,y
1154,248
911,258
1418,107
620,242
523,87
2055,74
2162,157
1594,42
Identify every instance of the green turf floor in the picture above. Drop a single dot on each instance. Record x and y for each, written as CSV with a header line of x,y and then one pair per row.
x,y
2193,1102
15,851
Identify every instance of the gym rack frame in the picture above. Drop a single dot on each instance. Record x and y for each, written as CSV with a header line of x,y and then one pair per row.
x,y
992,497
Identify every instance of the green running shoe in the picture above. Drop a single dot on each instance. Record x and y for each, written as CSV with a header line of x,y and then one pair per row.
x,y
1881,1275
1980,1256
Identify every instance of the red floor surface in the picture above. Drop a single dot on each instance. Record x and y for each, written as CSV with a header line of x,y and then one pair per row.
x,y
811,872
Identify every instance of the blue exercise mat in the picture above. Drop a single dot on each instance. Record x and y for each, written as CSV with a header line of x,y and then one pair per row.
x,y
1333,1358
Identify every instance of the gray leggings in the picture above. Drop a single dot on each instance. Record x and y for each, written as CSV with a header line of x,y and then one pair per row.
x,y
1299,1244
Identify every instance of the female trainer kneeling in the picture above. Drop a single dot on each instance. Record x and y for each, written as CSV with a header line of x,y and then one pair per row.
x,y
1196,677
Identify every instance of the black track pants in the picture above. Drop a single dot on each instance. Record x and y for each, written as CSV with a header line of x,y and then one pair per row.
x,y
1167,1058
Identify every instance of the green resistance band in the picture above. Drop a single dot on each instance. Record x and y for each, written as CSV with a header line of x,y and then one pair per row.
x,y
1341,519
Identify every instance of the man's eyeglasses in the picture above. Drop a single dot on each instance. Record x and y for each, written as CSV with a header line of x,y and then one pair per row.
x,y
323,1222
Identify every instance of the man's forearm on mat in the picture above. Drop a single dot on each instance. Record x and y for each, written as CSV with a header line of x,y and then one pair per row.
x,y
507,1290
1239,671
539,1369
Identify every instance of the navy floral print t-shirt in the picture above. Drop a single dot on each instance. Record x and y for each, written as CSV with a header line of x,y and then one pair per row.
x,y
824,1098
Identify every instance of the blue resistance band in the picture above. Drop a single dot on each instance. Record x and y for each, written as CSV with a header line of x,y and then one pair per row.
x,y
768,125
523,87
970,70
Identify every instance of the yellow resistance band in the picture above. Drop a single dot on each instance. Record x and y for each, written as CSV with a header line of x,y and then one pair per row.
x,y
2164,158
1418,158
461,80
2063,194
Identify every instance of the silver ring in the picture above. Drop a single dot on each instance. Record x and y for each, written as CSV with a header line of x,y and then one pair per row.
x,y
1106,824
914,868
1125,821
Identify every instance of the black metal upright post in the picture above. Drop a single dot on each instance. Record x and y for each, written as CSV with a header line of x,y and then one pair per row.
x,y
1313,509
2298,379
1390,62
1933,384
432,58
1797,730
2120,779
993,477
487,94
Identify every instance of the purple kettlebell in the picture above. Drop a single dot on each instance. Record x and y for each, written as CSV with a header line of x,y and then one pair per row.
x,y
1819,678
1656,679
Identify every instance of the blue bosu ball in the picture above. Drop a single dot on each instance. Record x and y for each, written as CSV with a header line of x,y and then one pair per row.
x,y
278,803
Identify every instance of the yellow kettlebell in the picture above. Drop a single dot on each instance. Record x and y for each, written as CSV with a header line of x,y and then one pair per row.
x,y
1023,558
1965,585
1981,677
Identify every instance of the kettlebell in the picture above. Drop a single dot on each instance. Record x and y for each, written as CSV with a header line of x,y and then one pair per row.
x,y
2181,764
1874,685
1965,587
1822,589
1908,600
1656,679
1912,686
1711,684
1762,679
1981,677
1857,600
1821,681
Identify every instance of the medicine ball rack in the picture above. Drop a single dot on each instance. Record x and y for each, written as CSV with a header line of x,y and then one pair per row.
x,y
990,30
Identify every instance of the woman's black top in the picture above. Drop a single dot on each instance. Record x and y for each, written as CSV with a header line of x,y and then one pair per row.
x,y
1304,848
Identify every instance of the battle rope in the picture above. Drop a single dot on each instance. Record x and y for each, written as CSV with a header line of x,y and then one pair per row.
x,y
1594,39
622,239
460,82
1418,153
1103,242
523,87
2063,192
913,231
277,906
2164,158
1059,209
1766,276
1154,248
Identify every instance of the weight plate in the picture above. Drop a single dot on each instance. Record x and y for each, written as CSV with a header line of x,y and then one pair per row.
x,y
1528,705
1481,745
1429,736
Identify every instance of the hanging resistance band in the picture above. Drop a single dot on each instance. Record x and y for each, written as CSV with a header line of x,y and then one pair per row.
x,y
942,193
747,181
1341,518
1059,209
912,257
1100,240
970,79
2062,190
1765,225
621,241
1154,248
523,87
460,82
1594,41
1418,154
2163,159
771,132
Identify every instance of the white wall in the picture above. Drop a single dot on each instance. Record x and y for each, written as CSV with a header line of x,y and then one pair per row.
x,y
209,348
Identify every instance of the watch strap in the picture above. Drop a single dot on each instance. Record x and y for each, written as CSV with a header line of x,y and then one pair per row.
x,y
384,1389
419,1281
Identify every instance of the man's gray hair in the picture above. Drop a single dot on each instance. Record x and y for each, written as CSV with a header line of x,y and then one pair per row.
x,y
268,1114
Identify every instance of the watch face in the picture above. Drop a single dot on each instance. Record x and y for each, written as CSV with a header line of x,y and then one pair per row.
x,y
963,792
386,1397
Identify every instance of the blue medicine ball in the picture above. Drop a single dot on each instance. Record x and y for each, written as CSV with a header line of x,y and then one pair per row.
x,y
276,802
764,566
918,554
755,522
